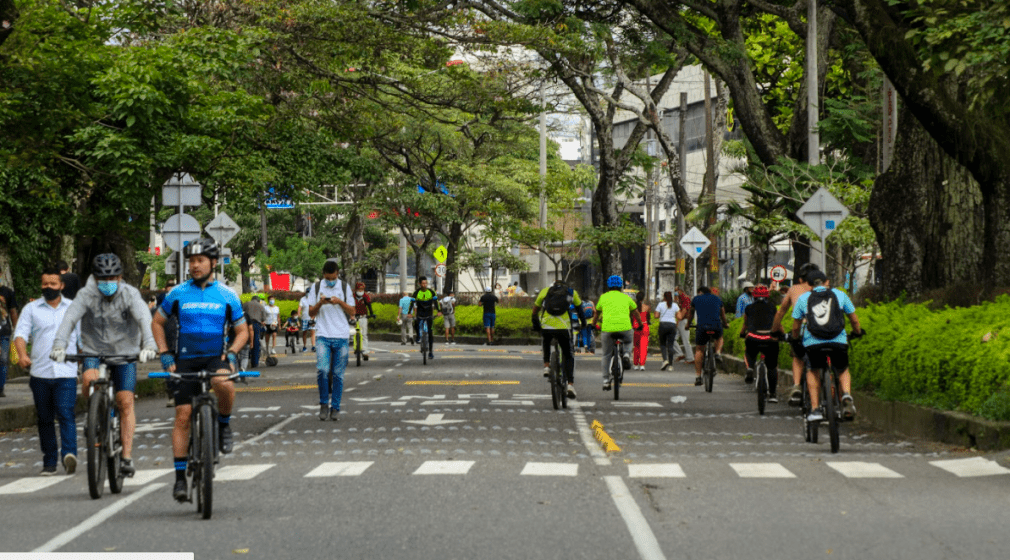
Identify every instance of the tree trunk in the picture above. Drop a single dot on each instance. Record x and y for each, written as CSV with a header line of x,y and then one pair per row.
x,y
604,207
455,235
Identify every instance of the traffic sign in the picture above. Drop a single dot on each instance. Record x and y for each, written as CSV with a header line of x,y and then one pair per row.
x,y
222,228
440,270
440,254
822,213
694,243
778,273
171,264
181,190
179,230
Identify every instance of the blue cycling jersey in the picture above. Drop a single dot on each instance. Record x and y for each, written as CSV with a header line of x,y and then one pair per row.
x,y
202,320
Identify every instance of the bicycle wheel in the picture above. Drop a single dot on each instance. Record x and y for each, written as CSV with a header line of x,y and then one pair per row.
x,y
206,484
762,386
95,432
616,370
562,382
709,369
555,372
115,453
830,397
193,460
357,347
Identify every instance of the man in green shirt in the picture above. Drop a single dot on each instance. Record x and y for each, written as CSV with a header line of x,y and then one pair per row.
x,y
614,312
550,316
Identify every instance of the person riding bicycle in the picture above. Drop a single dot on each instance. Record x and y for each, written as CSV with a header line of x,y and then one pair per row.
x,y
614,312
795,291
824,309
759,339
291,329
424,304
711,319
113,321
551,318
204,309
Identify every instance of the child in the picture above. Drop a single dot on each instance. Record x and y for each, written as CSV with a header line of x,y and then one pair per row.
x,y
291,327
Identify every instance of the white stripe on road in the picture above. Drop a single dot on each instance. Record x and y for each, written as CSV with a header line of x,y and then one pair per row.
x,y
761,470
976,466
31,484
444,467
353,468
656,470
97,519
858,469
586,435
240,472
620,404
641,533
143,477
551,469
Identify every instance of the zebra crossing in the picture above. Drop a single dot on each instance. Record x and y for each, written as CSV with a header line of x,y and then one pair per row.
x,y
961,468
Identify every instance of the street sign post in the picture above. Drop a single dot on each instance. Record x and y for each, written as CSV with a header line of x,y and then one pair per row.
x,y
179,230
181,190
694,244
822,213
440,270
222,228
778,273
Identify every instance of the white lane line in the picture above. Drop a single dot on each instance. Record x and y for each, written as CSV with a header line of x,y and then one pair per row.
x,y
97,519
143,477
641,533
859,469
656,470
586,435
352,468
31,484
976,466
240,472
444,467
619,404
761,470
550,469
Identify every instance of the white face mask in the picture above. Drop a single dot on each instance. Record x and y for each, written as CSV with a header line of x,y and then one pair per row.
x,y
271,302
360,293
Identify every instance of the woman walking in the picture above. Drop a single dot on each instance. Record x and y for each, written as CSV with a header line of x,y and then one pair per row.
x,y
668,313
642,333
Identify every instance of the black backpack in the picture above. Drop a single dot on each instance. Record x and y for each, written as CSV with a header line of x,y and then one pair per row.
x,y
558,300
825,319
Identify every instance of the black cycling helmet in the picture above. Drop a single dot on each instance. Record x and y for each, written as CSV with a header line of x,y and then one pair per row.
x,y
204,246
106,265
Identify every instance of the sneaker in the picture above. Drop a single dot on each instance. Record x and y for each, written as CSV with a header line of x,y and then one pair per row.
x,y
364,357
48,471
403,344
607,386
304,349
70,463
571,391
487,344
334,415
664,366
718,358
626,362
324,411
795,396
773,399
697,381
547,371
126,467
848,407
170,403
313,349
225,437
179,491
750,376
815,416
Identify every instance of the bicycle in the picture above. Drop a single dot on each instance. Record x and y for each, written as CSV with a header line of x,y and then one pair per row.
x,y
357,342
559,389
761,385
423,329
203,445
708,361
102,431
617,368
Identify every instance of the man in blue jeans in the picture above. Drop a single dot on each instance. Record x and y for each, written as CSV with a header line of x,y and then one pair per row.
x,y
488,300
53,385
331,302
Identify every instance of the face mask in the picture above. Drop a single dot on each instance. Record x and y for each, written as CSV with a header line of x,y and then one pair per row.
x,y
271,302
50,293
108,289
360,293
331,283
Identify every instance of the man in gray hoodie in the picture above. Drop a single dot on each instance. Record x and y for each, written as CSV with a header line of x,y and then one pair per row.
x,y
114,321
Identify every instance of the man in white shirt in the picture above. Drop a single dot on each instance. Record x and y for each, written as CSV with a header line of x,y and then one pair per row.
x,y
331,302
53,385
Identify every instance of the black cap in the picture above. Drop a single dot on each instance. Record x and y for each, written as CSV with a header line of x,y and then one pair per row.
x,y
816,275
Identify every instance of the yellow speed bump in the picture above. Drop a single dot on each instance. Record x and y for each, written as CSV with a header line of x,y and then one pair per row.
x,y
604,438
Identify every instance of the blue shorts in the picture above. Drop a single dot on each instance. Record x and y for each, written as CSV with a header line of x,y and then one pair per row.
x,y
124,376
489,320
308,325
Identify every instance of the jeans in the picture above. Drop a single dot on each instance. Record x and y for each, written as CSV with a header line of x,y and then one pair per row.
x,y
608,348
331,362
5,356
55,399
254,345
564,346
587,338
668,342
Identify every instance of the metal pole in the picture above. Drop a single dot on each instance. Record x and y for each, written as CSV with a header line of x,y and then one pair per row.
x,y
682,149
182,273
543,186
403,262
813,136
154,274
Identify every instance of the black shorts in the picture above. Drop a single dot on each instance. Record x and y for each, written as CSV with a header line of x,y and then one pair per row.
x,y
819,354
271,329
799,351
701,336
184,391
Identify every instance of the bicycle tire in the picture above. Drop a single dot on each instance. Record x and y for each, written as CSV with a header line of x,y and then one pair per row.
x,y
616,373
98,414
762,386
830,407
562,382
193,461
114,466
709,373
424,343
205,488
553,377
357,346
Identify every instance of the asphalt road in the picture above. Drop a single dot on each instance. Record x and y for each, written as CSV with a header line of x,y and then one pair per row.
x,y
466,458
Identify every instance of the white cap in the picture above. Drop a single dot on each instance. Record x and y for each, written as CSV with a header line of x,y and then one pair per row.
x,y
487,288
746,285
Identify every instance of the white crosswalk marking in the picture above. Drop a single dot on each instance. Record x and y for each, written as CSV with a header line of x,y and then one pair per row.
x,y
353,468
444,467
858,469
761,470
976,466
32,484
239,472
656,470
143,477
550,469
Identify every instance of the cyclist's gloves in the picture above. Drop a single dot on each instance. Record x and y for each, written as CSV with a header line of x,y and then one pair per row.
x,y
58,355
167,361
233,361
536,323
146,355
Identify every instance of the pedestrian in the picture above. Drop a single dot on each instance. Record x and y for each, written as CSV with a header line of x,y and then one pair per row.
x,y
405,320
53,385
498,291
448,304
589,330
256,316
9,307
641,352
308,324
518,290
330,304
71,282
511,290
745,299
685,337
669,314
426,305
488,300
362,312
273,324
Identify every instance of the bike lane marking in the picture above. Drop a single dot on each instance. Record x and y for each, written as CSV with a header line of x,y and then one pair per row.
x,y
641,533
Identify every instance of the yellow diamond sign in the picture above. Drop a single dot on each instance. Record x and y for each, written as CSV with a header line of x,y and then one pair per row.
x,y
440,254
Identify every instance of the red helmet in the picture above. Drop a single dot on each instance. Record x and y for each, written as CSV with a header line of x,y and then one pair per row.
x,y
760,291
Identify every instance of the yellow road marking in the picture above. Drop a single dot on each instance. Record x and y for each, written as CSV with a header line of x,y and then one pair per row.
x,y
603,437
461,383
271,389
657,384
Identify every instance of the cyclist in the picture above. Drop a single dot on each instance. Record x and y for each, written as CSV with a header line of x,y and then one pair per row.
x,y
551,318
363,312
113,321
758,337
291,330
711,318
425,301
204,308
614,312
795,291
824,311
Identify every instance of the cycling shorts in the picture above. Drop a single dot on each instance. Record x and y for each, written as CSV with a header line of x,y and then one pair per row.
x,y
185,390
124,376
819,354
799,351
701,336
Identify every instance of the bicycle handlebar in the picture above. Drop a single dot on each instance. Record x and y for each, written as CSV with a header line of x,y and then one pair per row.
x,y
102,357
200,374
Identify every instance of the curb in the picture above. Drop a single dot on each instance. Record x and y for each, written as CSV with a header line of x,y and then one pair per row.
x,y
911,420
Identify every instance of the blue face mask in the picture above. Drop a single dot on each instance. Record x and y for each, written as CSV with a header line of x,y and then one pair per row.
x,y
331,283
108,289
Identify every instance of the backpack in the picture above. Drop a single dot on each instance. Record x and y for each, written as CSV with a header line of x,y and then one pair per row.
x,y
825,319
558,300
